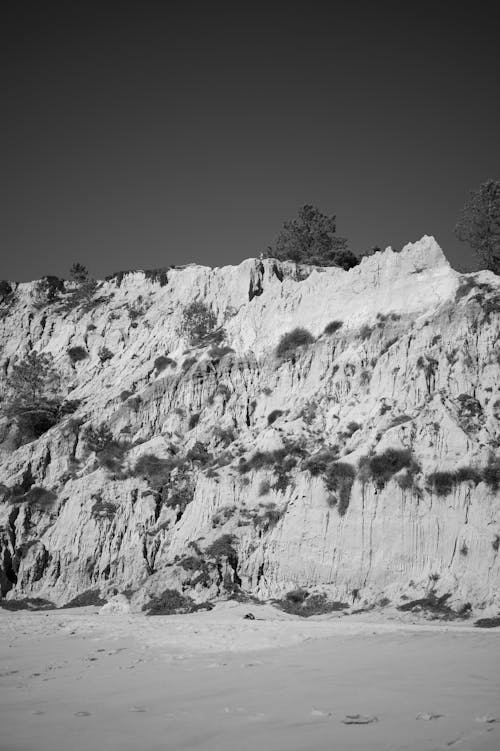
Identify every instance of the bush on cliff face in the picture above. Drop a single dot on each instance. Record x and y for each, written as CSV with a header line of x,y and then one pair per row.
x,y
290,342
382,467
339,478
332,327
33,400
109,452
199,322
311,239
77,354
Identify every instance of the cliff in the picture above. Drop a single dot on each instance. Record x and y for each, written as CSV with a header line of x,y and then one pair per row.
x,y
363,464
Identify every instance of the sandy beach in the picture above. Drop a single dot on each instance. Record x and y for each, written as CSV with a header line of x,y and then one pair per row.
x,y
74,679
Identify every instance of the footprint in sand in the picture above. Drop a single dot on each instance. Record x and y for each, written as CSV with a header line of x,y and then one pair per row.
x,y
487,718
319,713
428,716
359,719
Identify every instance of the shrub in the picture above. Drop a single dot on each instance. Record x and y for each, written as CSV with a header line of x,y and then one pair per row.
x,y
488,622
34,495
103,509
309,411
223,515
194,420
169,602
264,487
223,547
90,597
365,377
339,478
27,603
468,474
332,327
188,363
105,354
153,469
77,354
225,436
217,353
39,496
198,322
110,452
300,602
381,468
365,332
289,343
318,462
199,454
162,362
5,290
124,395
352,427
157,275
180,495
268,516
443,482
491,473
273,416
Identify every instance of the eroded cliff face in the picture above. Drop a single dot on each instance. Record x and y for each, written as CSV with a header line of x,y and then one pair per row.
x,y
244,500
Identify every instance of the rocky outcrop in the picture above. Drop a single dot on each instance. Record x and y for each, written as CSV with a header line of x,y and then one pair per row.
x,y
362,465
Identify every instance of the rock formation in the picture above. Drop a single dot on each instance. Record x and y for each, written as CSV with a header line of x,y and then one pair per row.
x,y
363,464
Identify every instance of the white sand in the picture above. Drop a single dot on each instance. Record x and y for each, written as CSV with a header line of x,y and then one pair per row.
x,y
216,682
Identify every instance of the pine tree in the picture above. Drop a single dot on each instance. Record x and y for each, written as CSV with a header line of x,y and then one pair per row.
x,y
479,224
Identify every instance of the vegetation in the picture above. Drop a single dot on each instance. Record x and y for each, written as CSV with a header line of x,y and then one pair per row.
x,y
194,420
311,239
77,354
332,327
223,547
443,482
33,398
436,607
199,322
110,452
488,622
479,224
339,478
78,273
5,290
170,602
300,602
289,343
162,362
27,603
273,416
90,597
105,354
268,516
380,468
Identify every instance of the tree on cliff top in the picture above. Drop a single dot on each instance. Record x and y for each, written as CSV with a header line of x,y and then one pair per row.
x,y
311,238
479,224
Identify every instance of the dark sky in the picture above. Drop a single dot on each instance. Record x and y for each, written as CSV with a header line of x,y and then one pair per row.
x,y
141,135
